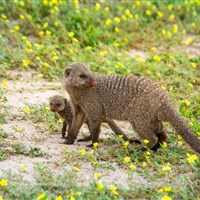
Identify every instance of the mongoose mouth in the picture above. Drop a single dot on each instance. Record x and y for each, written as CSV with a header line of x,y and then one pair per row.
x,y
94,84
53,110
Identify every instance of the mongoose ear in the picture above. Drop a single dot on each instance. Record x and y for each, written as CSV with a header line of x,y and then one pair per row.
x,y
67,71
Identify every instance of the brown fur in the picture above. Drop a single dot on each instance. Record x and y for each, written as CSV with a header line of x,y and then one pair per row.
x,y
62,106
138,100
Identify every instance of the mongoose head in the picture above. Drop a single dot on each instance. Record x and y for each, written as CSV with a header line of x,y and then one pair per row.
x,y
78,75
56,103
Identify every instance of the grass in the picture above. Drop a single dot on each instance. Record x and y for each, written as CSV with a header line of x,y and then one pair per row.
x,y
45,36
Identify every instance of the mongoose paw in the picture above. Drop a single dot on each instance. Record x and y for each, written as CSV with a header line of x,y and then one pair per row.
x,y
69,141
85,139
133,140
90,146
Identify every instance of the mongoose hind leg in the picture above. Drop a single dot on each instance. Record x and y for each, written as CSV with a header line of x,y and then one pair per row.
x,y
64,128
116,129
146,133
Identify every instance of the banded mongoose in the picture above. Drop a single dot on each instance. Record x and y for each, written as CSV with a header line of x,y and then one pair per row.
x,y
62,106
138,100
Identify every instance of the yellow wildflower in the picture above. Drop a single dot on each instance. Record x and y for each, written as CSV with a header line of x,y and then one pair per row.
x,y
1,198
146,141
4,84
166,198
102,53
17,28
26,110
117,19
46,24
160,14
78,193
1,127
47,108
28,43
97,7
48,32
41,33
76,169
166,168
153,49
59,198
89,48
17,129
192,158
99,186
108,22
96,144
74,40
144,164
194,65
71,34
91,152
4,16
45,64
175,28
190,85
187,103
157,58
55,58
167,188
164,145
136,16
21,3
3,183
41,196
82,151
107,9
160,190
148,12
40,75
172,17
97,175
126,144
127,159
23,168
24,38
116,29
133,167
22,17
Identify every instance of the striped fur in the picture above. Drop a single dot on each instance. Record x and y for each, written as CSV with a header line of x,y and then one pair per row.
x,y
138,100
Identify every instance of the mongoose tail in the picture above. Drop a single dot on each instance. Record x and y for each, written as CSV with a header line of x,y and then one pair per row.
x,y
171,115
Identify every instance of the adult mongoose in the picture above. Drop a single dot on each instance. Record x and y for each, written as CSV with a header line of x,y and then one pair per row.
x,y
138,100
62,106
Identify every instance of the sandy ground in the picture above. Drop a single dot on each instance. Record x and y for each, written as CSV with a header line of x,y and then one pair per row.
x,y
27,88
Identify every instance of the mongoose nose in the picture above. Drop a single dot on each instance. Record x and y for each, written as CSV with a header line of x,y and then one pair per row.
x,y
94,84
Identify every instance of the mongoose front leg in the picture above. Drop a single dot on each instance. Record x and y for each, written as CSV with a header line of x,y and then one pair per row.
x,y
76,125
64,127
94,126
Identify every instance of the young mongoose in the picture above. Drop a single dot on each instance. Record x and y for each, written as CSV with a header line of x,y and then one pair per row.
x,y
62,106
138,100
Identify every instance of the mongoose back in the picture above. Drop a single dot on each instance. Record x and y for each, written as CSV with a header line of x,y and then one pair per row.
x,y
64,109
138,100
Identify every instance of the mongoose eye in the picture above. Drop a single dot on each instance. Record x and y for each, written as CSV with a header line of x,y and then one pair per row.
x,y
82,76
51,104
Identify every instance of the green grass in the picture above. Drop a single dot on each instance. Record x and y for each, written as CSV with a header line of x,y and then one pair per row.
x,y
45,36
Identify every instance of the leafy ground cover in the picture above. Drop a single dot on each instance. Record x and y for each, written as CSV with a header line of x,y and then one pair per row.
x,y
38,39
